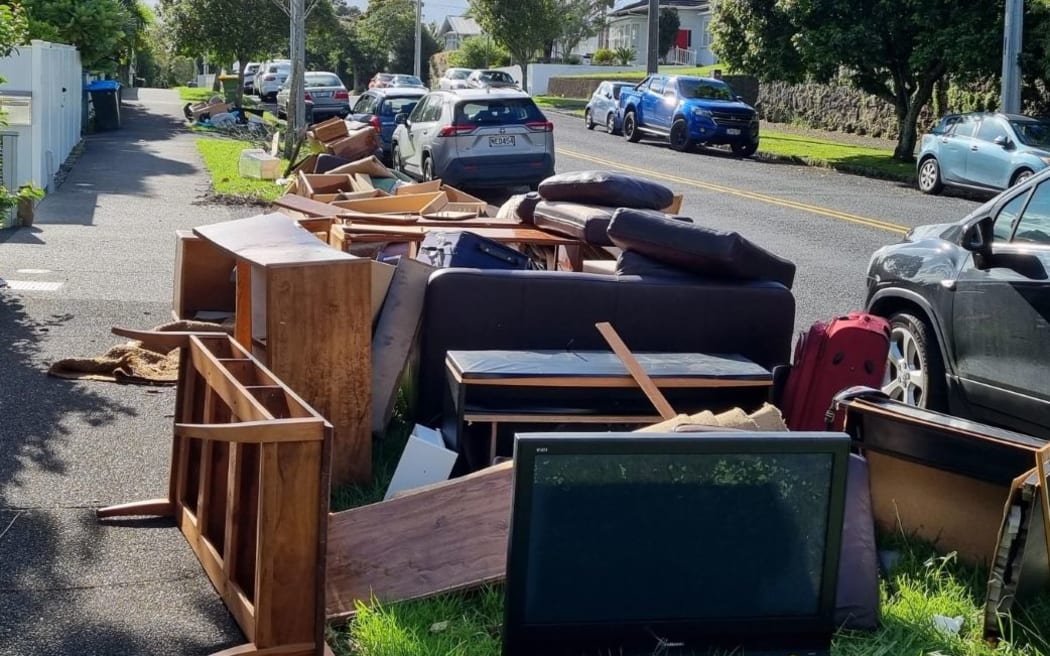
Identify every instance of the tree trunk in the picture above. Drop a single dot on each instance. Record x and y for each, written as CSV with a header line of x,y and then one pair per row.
x,y
548,52
523,63
908,112
243,59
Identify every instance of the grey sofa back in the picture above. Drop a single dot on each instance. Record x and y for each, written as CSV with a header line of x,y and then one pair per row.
x,y
470,309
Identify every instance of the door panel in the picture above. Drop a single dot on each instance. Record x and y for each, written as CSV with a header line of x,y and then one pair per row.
x,y
988,163
954,148
1001,316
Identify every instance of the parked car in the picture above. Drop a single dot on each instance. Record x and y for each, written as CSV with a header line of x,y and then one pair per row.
x,y
969,309
249,76
407,82
475,138
380,80
982,151
454,78
689,111
270,77
379,107
604,106
483,79
324,90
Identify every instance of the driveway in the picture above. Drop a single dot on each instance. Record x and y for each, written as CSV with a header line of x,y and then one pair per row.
x,y
100,254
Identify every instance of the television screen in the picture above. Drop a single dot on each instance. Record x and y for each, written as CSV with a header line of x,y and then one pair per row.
x,y
722,530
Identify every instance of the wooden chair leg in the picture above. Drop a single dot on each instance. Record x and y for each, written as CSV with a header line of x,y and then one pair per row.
x,y
152,507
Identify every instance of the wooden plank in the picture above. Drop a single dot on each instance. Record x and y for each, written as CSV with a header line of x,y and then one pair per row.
x,y
256,432
1042,459
445,537
651,390
308,206
396,332
319,327
229,389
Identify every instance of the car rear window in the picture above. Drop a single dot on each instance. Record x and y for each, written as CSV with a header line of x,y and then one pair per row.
x,y
497,76
498,111
400,105
459,75
322,81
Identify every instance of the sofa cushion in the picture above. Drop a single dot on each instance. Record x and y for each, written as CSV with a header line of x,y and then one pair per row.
x,y
520,208
606,188
630,263
702,250
588,223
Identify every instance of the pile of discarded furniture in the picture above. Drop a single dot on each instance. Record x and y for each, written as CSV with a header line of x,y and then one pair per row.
x,y
588,305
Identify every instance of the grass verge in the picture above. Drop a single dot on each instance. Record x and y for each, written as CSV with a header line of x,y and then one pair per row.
x,y
920,586
221,158
699,71
194,94
827,153
573,106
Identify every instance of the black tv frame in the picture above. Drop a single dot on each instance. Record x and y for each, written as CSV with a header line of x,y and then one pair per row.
x,y
800,634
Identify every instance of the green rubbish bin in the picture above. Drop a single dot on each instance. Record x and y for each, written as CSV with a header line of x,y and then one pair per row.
x,y
229,87
105,98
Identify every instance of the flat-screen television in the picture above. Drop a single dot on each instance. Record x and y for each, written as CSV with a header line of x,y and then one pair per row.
x,y
641,542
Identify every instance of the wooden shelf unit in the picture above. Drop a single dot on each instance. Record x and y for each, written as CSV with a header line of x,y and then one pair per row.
x,y
305,310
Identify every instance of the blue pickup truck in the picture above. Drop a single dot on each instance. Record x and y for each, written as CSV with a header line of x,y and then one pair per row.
x,y
689,111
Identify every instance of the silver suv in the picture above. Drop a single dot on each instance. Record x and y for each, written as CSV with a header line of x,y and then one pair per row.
x,y
475,138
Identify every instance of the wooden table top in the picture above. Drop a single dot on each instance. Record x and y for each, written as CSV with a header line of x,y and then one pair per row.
x,y
507,235
270,240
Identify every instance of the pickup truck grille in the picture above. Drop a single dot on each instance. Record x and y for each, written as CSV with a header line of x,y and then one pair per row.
x,y
729,120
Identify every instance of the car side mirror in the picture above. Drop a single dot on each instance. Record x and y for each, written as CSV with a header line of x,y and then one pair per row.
x,y
740,99
1003,142
978,240
401,119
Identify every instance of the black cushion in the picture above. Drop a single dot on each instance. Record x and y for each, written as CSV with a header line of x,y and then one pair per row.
x,y
630,263
588,223
606,188
695,248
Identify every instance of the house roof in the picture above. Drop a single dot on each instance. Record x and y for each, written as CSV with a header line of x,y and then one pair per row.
x,y
461,25
642,6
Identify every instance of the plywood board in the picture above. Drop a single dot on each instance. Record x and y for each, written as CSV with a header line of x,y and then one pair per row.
x,y
382,274
449,536
954,512
397,330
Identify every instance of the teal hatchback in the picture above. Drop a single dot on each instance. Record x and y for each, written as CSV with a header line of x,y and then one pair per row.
x,y
983,151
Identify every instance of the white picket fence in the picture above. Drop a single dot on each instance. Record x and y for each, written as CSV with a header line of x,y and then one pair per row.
x,y
50,76
682,56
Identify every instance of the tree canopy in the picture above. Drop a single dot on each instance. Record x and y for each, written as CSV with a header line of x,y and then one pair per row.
x,y
14,29
896,50
521,27
104,31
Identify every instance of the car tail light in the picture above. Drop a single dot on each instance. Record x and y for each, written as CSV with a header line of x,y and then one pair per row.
x,y
342,95
540,126
308,96
374,122
456,130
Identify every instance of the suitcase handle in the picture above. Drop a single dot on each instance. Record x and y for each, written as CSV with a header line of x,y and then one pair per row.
x,y
498,254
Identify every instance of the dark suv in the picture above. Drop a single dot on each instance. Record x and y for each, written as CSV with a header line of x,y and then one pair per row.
x,y
969,306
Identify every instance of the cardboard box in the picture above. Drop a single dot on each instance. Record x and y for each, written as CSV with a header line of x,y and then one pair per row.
x,y
211,110
330,130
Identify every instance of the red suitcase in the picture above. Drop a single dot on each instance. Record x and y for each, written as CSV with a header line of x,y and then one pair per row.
x,y
832,356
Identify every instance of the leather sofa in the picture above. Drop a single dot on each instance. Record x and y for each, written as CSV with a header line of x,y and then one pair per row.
x,y
471,309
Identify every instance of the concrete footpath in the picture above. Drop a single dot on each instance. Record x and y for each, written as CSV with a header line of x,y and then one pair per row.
x,y
100,254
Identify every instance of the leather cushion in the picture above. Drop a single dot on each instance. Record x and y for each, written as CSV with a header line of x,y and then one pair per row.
x,y
696,248
606,188
588,223
630,263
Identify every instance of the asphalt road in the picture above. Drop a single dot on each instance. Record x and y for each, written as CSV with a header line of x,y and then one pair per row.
x,y
828,223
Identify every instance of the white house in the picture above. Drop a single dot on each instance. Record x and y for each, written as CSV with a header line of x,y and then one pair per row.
x,y
628,27
455,29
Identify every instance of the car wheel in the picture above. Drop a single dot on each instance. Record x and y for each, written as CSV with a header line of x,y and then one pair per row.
x,y
679,138
1021,176
630,128
914,369
930,176
588,119
743,150
610,123
428,169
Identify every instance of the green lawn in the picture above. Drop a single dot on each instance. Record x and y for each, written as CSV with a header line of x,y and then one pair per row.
x,y
701,71
570,105
221,158
194,94
920,586
849,158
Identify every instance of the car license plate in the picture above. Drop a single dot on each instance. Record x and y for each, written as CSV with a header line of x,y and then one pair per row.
x,y
321,94
732,131
501,141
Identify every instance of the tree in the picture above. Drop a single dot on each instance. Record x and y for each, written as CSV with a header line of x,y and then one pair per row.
x,y
14,29
478,52
231,30
580,19
521,27
894,50
100,29
668,25
387,37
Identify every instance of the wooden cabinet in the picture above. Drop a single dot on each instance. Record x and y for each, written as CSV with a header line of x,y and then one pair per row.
x,y
305,310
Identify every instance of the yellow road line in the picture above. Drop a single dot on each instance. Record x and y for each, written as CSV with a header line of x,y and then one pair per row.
x,y
751,195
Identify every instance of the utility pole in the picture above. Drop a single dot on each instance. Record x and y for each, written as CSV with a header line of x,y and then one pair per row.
x,y
652,61
297,113
418,64
1010,95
